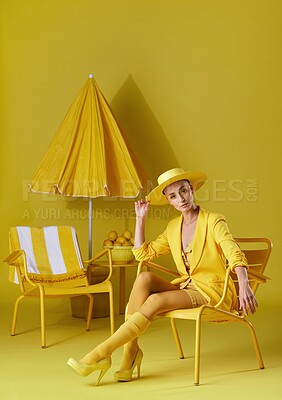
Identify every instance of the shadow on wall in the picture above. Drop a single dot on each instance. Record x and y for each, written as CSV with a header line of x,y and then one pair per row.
x,y
142,131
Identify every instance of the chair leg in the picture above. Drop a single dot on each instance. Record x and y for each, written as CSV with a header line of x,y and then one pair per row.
x,y
176,338
255,343
15,315
197,350
42,316
111,303
89,312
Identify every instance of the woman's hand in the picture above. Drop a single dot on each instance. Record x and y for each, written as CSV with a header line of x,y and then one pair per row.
x,y
141,208
247,300
141,211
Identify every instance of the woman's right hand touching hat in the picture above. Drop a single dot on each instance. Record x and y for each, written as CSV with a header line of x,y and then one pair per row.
x,y
141,208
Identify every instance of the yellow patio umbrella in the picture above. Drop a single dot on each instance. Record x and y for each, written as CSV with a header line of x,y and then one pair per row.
x,y
89,156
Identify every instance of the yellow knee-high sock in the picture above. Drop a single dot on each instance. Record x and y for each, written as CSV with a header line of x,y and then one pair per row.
x,y
129,330
129,351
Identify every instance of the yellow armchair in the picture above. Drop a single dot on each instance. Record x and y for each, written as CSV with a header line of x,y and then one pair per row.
x,y
257,252
46,263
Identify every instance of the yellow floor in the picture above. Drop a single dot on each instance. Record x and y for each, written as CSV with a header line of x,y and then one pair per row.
x,y
228,369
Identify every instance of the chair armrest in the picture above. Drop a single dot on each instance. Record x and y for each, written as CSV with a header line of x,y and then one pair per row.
x,y
225,288
90,262
257,276
11,260
150,264
251,273
96,257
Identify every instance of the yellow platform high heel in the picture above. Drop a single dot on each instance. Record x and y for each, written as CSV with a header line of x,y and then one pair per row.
x,y
84,369
125,375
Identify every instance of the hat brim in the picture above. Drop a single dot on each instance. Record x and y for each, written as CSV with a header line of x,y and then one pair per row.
x,y
196,179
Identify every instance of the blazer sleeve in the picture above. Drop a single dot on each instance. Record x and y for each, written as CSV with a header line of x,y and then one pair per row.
x,y
153,249
228,245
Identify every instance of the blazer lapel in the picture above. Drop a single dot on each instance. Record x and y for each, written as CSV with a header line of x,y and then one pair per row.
x,y
199,238
174,233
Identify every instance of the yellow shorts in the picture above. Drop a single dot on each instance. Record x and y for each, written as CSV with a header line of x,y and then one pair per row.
x,y
196,297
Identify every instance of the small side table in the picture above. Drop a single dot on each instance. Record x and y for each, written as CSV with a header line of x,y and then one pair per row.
x,y
122,267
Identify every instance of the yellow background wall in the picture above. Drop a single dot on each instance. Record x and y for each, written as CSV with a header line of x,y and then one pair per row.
x,y
195,84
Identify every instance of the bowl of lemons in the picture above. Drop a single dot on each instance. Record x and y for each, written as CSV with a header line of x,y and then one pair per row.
x,y
121,246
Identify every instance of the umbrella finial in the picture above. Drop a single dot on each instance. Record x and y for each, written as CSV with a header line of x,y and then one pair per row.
x,y
90,76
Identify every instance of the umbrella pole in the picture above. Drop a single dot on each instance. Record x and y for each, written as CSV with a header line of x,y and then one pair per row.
x,y
90,229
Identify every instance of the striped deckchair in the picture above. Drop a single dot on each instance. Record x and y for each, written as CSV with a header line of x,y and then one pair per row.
x,y
46,262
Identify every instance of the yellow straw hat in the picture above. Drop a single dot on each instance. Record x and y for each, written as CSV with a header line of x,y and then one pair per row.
x,y
196,179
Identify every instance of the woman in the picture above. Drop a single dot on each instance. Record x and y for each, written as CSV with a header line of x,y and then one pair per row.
x,y
200,243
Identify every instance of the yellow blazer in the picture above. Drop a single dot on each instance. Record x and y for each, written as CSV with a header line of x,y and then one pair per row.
x,y
212,245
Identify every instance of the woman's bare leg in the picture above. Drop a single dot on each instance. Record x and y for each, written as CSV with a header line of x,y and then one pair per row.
x,y
151,295
145,284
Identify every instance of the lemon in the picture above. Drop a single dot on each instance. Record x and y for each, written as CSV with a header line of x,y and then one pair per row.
x,y
112,236
132,241
127,235
121,240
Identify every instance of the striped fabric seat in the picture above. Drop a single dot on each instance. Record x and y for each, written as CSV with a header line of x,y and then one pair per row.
x,y
52,253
